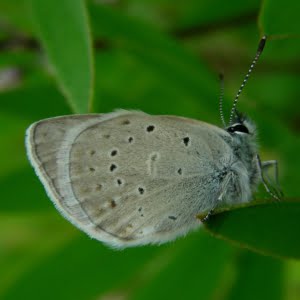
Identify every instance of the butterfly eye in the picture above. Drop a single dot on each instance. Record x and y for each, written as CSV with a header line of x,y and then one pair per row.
x,y
238,128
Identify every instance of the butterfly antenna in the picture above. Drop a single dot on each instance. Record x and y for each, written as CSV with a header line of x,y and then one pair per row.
x,y
221,78
258,53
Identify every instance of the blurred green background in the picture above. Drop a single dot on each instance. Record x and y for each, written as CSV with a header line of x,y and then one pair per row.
x,y
161,57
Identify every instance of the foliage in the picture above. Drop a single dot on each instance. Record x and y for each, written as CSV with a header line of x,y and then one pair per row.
x,y
162,57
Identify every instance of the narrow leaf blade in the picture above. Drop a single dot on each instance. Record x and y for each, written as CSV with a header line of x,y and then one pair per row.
x,y
62,27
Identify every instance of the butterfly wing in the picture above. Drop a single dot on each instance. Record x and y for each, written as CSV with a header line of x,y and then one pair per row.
x,y
128,178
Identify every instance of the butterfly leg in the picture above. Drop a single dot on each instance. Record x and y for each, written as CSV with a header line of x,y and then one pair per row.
x,y
266,164
276,193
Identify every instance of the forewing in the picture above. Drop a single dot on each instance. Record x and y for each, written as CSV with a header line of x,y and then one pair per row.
x,y
127,178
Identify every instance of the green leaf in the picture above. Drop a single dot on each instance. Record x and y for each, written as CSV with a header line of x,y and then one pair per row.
x,y
24,103
12,141
281,22
163,56
280,18
64,32
172,15
15,14
166,282
82,269
271,228
23,244
24,191
97,272
141,86
257,277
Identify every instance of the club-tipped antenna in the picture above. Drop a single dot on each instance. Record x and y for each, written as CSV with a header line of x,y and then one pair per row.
x,y
221,78
258,53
